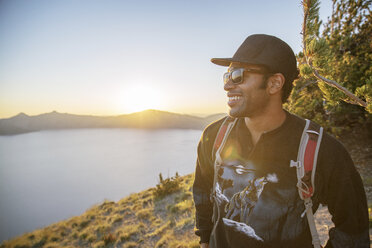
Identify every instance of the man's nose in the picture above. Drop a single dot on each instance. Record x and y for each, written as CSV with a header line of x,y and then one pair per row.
x,y
229,85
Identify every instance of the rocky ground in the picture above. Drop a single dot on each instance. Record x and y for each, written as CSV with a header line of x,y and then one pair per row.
x,y
323,223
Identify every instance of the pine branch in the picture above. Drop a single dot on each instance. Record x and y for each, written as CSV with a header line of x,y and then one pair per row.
x,y
305,85
307,4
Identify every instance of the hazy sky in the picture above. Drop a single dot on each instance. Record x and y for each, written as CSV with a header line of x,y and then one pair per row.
x,y
106,57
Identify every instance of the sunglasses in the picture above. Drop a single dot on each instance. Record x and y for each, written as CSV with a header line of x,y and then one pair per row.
x,y
236,76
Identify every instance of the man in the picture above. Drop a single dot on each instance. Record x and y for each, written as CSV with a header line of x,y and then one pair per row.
x,y
250,198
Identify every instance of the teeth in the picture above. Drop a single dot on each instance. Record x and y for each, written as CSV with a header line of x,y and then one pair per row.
x,y
234,98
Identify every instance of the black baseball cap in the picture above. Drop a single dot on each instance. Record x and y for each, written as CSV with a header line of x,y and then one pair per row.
x,y
265,50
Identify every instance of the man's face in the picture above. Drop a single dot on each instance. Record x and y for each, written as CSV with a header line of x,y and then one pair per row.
x,y
249,98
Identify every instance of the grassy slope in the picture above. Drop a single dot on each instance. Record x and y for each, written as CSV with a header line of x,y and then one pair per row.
x,y
139,220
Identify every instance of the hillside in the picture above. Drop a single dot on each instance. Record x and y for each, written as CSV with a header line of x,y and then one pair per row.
x,y
144,219
149,119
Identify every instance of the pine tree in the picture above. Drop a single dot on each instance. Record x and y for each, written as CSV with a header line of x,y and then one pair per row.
x,y
342,53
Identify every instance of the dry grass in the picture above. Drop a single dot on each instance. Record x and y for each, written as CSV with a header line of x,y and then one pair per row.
x,y
140,220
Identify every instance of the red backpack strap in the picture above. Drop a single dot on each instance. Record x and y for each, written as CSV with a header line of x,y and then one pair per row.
x,y
307,159
314,134
222,132
306,167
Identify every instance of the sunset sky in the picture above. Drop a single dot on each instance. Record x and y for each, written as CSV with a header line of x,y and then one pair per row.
x,y
114,57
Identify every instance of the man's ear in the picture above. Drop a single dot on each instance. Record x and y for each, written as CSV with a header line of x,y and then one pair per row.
x,y
275,83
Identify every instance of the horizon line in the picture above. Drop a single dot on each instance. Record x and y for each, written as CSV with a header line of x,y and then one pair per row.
x,y
110,115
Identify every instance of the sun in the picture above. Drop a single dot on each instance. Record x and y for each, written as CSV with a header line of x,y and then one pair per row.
x,y
139,98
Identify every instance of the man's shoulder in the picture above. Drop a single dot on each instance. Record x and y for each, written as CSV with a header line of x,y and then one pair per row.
x,y
327,139
211,130
295,119
332,145
214,126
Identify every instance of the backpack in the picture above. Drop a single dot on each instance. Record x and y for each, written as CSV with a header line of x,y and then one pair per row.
x,y
305,165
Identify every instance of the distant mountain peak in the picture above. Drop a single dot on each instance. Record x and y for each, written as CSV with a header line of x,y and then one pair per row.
x,y
151,111
21,114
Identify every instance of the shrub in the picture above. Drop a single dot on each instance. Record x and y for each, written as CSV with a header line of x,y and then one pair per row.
x,y
19,246
41,243
91,238
99,244
166,186
173,208
131,231
54,239
100,229
84,224
118,219
83,236
124,238
109,238
131,245
143,213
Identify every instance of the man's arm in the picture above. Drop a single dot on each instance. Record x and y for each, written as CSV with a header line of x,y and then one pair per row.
x,y
344,194
202,188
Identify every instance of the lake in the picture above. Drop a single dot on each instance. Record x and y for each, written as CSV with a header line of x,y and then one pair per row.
x,y
49,176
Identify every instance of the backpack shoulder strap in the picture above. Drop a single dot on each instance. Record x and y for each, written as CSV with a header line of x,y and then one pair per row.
x,y
219,143
307,159
222,135
305,167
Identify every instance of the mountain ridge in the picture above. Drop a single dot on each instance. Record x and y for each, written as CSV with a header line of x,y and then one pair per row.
x,y
147,119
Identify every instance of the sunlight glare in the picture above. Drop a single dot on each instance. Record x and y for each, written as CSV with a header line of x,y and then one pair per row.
x,y
141,97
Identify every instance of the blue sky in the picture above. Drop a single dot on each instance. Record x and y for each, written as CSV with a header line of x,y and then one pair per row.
x,y
113,57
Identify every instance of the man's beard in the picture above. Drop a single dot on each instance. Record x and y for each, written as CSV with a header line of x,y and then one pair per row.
x,y
247,109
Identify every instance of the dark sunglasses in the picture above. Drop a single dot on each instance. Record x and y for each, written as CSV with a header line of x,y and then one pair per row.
x,y
236,76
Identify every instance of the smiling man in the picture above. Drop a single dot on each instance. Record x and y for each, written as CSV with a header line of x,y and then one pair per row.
x,y
261,171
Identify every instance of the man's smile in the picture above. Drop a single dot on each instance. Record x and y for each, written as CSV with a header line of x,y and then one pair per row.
x,y
233,98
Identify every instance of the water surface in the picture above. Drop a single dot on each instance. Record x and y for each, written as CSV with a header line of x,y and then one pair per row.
x,y
49,176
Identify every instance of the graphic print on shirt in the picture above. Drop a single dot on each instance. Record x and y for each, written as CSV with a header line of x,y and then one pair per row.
x,y
237,190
